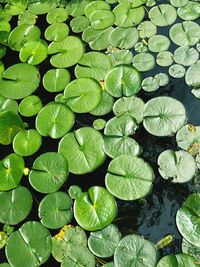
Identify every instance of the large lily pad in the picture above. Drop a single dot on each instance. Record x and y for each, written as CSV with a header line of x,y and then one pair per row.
x,y
177,260
83,150
96,209
163,15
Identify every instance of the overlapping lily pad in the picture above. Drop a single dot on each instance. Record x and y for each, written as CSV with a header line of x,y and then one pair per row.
x,y
30,106
55,80
177,260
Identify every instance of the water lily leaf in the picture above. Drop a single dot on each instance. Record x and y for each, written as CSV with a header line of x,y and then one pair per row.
x,y
55,80
134,3
32,236
77,7
192,77
54,120
55,210
163,79
140,47
186,56
178,3
15,205
2,54
102,19
132,106
196,92
177,166
163,15
93,65
164,116
119,57
30,106
123,80
124,37
158,43
8,104
75,191
10,125
164,59
136,251
83,150
15,8
56,32
103,243
187,219
11,171
41,7
144,61
57,15
5,265
126,16
185,34
79,24
177,71
49,172
191,11
150,84
99,124
27,142
188,138
27,18
105,105
190,249
146,29
96,209
117,141
97,39
83,95
66,52
177,260
96,6
22,34
133,176
19,81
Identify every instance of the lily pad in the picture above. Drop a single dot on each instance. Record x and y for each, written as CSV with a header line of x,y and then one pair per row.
x,y
163,15
55,210
165,59
177,260
123,80
83,95
191,11
178,3
134,249
76,7
132,175
15,205
74,191
41,7
186,56
150,84
96,209
27,142
144,61
56,32
190,249
96,6
83,150
192,77
176,166
30,106
49,172
27,18
162,78
67,52
55,80
99,124
54,120
102,19
32,236
103,243
8,104
147,29
177,71
164,116
57,15
79,24
105,105
158,43
119,57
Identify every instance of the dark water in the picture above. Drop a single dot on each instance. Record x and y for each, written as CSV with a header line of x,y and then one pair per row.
x,y
153,217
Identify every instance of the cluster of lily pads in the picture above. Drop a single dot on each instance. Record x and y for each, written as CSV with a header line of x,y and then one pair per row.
x,y
99,55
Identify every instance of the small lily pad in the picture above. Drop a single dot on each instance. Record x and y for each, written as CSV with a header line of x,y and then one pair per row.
x,y
56,32
150,84
186,56
163,15
105,105
192,77
99,124
177,71
56,80
57,15
79,24
146,29
144,61
164,59
177,260
30,106
158,43
163,79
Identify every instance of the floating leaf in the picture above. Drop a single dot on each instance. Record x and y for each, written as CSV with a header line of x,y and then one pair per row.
x,y
99,124
163,15
162,78
8,104
192,77
164,59
158,43
177,260
102,19
178,3
30,106
177,71
56,32
79,24
119,57
76,8
144,62
27,18
146,29
186,56
150,84
57,15
105,105
96,6
75,191
55,80
41,7
190,249
190,11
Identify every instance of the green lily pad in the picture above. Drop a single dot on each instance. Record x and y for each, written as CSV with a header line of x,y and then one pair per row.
x,y
8,104
93,65
158,43
76,8
22,34
99,124
74,191
191,11
57,15
165,59
83,95
126,16
10,125
177,260
163,79
163,15
178,3
147,29
190,249
123,80
79,24
96,6
176,166
83,150
67,52
196,92
140,47
134,249
56,32
19,81
105,105
96,209
150,84
55,80
186,56
55,210
27,142
144,62
41,7
119,57
27,18
4,265
103,243
15,8
102,19
11,171
30,106
32,236
15,205
192,77
187,219
124,37
118,140
108,264
49,172
164,116
185,34
132,175
54,120
177,71
132,106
